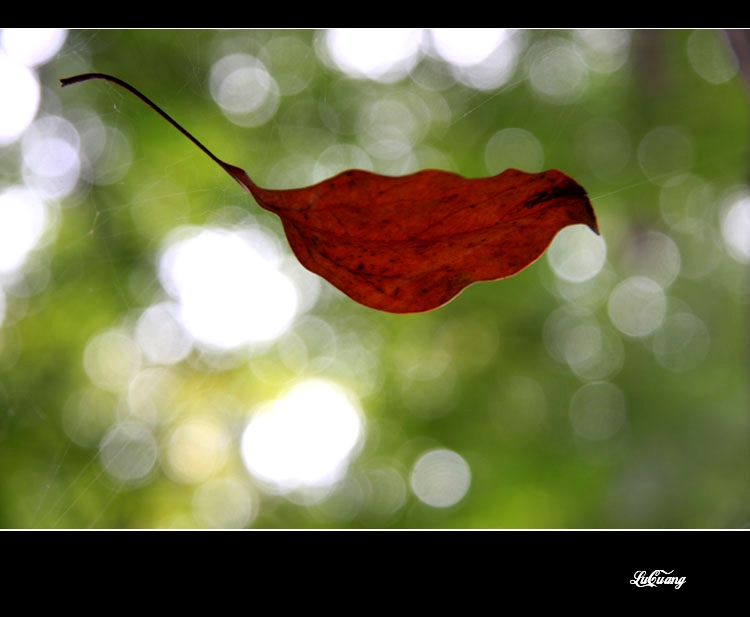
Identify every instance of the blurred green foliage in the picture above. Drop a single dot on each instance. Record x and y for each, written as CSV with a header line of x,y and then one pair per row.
x,y
496,376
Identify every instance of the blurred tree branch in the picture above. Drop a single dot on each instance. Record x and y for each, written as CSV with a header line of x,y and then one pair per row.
x,y
739,41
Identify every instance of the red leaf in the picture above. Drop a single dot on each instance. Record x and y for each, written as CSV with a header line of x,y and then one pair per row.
x,y
409,244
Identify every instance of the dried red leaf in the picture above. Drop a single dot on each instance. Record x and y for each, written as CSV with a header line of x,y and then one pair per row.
x,y
411,243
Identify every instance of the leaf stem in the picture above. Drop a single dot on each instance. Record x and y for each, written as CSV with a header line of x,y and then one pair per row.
x,y
238,174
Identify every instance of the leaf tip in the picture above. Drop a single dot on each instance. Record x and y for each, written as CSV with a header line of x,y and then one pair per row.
x,y
592,222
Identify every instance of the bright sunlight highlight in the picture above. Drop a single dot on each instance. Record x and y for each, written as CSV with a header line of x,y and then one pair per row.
x,y
17,111
23,218
304,439
229,287
383,54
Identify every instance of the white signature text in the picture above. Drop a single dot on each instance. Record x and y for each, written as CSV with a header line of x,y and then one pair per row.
x,y
657,577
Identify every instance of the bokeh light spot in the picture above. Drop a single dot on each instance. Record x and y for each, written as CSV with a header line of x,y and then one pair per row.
x,y
50,155
291,62
576,254
153,395
32,46
224,503
23,220
557,71
196,449
440,478
735,228
605,50
338,158
17,111
481,58
160,336
637,306
228,286
654,255
513,148
388,128
466,46
112,359
128,451
381,54
711,57
243,88
304,439
592,351
385,491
